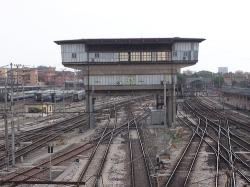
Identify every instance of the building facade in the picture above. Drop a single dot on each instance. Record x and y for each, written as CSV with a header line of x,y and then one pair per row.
x,y
131,65
129,62
222,70
46,74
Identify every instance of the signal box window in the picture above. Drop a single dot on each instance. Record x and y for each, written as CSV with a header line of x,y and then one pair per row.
x,y
135,56
73,55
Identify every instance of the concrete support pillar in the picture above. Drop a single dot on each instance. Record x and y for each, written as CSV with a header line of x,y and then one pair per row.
x,y
90,110
242,102
170,111
174,106
171,102
238,102
247,103
158,101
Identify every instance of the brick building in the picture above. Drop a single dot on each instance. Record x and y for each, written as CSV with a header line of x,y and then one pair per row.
x,y
46,74
62,76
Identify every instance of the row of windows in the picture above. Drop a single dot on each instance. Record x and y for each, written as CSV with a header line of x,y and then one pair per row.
x,y
130,56
141,56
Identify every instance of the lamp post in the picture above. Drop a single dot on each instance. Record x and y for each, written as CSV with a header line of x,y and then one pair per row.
x,y
12,119
6,122
165,103
18,65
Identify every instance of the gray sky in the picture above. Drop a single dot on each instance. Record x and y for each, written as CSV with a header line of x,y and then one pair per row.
x,y
29,27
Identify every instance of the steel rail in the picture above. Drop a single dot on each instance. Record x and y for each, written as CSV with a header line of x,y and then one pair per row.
x,y
214,149
229,117
50,137
235,155
195,156
232,176
41,142
197,114
173,173
218,159
143,153
34,132
221,155
104,158
132,181
86,167
212,122
66,155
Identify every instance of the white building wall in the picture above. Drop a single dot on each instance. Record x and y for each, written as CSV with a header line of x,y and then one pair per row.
x,y
73,53
223,70
181,51
102,80
103,57
185,51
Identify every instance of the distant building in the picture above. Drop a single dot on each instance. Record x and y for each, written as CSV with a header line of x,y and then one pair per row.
x,y
223,70
30,76
188,72
3,75
46,74
23,76
228,79
62,76
3,72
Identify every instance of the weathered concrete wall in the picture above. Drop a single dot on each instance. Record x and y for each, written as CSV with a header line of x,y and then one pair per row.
x,y
238,101
133,69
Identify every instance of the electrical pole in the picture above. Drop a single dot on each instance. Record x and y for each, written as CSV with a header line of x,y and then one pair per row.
x,y
174,98
17,114
165,102
12,118
63,92
6,123
88,94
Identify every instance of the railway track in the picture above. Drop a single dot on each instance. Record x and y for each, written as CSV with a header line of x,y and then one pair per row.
x,y
93,168
224,122
44,139
40,137
139,169
32,175
227,142
228,110
234,120
221,155
180,176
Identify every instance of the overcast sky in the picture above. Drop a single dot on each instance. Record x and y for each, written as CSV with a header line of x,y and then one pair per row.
x,y
29,27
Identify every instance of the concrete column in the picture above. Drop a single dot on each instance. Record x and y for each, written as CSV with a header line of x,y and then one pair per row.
x,y
239,102
171,104
174,104
242,102
247,103
90,110
165,103
170,111
157,101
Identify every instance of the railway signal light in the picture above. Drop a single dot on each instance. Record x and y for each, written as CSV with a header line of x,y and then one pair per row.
x,y
50,149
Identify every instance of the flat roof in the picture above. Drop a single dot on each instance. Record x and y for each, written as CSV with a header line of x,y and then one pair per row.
x,y
112,41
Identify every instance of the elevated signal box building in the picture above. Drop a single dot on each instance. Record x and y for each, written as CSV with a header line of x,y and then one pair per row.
x,y
126,65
